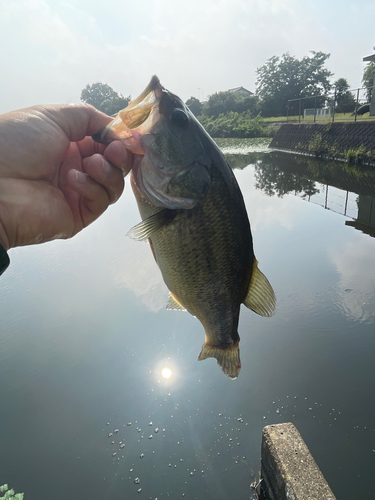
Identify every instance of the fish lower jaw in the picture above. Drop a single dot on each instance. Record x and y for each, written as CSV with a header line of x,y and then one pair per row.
x,y
137,192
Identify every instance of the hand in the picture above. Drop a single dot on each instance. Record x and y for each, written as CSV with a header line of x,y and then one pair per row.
x,y
54,178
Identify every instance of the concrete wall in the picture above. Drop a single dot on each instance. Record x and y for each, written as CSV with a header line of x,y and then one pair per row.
x,y
288,469
339,136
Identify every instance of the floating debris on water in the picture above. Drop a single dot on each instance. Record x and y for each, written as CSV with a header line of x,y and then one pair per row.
x,y
137,480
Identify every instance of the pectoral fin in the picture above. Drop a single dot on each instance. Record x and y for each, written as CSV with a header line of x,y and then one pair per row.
x,y
144,229
228,359
173,303
260,296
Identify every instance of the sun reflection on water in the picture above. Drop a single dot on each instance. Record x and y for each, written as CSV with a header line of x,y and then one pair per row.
x,y
166,373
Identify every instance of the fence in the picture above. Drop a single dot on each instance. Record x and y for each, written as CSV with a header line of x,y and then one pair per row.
x,y
349,106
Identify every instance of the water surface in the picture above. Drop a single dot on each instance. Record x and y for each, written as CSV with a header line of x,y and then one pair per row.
x,y
84,335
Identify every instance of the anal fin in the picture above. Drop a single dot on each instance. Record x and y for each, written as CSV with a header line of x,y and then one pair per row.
x,y
228,359
260,297
173,303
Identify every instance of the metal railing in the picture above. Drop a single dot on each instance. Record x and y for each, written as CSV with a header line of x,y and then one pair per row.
x,y
323,107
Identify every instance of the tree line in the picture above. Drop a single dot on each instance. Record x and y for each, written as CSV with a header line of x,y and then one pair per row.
x,y
279,79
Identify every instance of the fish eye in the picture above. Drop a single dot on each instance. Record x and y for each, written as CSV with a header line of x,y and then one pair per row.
x,y
180,118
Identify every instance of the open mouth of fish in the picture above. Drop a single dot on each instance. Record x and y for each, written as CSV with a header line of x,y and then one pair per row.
x,y
136,120
171,168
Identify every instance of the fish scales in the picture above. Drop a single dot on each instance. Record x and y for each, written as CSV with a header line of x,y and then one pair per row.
x,y
205,256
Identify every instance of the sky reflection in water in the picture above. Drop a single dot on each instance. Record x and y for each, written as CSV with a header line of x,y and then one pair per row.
x,y
84,337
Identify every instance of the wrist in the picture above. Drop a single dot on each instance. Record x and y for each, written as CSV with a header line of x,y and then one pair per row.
x,y
4,259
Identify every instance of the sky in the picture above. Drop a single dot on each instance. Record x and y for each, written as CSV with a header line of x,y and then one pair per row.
x,y
51,49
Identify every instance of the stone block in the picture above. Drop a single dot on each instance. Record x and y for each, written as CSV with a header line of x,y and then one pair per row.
x,y
288,469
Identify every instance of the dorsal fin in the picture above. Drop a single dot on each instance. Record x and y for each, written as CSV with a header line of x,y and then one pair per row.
x,y
173,303
260,296
144,229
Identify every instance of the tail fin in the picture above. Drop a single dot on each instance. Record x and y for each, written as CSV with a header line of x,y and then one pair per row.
x,y
228,359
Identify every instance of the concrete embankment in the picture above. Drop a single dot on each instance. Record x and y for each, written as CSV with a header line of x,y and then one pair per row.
x,y
347,140
288,469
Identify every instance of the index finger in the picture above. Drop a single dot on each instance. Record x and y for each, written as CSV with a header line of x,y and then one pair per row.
x,y
76,120
88,147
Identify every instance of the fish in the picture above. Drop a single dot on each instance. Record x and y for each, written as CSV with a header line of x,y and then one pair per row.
x,y
194,217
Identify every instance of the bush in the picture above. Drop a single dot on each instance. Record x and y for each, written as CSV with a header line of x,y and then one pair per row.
x,y
234,124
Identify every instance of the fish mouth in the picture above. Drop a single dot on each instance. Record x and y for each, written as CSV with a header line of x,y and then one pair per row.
x,y
136,120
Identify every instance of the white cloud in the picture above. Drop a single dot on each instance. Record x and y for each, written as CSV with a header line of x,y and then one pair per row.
x,y
356,267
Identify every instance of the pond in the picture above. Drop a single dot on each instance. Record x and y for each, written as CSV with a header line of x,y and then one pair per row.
x,y
84,336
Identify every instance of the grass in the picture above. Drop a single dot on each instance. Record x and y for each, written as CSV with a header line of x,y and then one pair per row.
x,y
349,117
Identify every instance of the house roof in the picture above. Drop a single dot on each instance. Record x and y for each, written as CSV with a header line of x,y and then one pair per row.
x,y
237,89
369,58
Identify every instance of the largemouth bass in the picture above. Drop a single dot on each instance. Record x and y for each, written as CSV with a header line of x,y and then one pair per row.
x,y
194,218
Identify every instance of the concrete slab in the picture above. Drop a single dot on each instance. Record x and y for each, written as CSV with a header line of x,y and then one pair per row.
x,y
288,469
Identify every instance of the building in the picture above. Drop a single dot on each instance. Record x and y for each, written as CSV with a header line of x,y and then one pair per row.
x,y
242,91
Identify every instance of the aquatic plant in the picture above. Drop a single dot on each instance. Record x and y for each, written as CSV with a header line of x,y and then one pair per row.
x,y
7,494
317,145
357,155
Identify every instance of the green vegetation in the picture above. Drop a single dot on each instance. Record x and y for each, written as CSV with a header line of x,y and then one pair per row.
x,y
104,98
7,494
283,78
230,114
368,79
234,124
317,146
226,102
195,106
345,102
357,155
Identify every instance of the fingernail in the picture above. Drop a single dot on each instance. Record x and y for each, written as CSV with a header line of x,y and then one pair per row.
x,y
80,177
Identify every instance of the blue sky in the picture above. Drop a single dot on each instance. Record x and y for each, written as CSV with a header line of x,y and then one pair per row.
x,y
51,49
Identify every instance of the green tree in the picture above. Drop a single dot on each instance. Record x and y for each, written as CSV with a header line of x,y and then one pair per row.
x,y
286,77
226,102
104,98
345,101
194,105
368,79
